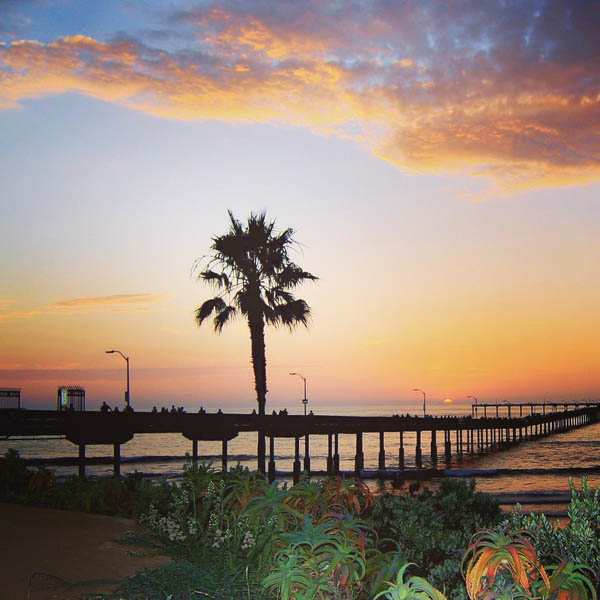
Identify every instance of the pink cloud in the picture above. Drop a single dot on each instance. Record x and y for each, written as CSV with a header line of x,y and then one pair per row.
x,y
509,94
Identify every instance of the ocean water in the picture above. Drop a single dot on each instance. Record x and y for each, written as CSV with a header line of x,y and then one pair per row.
x,y
544,465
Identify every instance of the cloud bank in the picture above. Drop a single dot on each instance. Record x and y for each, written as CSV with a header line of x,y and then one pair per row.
x,y
78,305
505,90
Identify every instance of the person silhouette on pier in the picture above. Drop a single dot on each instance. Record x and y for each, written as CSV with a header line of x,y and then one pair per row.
x,y
105,408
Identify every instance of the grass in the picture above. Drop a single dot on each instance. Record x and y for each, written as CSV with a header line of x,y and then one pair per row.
x,y
184,580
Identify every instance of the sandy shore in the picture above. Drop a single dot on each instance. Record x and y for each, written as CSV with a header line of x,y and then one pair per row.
x,y
69,554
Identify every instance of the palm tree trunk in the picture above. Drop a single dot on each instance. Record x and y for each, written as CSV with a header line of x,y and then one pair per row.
x,y
259,364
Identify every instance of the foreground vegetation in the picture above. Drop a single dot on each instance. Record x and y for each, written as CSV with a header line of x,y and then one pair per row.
x,y
236,536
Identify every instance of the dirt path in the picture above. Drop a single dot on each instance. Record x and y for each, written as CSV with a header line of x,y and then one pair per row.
x,y
74,547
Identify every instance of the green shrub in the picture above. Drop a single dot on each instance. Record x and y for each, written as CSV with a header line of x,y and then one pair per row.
x,y
578,542
14,476
432,529
184,580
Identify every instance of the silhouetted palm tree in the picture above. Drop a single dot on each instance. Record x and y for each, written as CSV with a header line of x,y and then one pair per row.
x,y
254,276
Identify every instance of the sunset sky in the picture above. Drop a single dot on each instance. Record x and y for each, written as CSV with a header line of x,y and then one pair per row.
x,y
439,161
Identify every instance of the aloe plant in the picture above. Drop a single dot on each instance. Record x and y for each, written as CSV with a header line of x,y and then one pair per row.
x,y
307,497
241,486
415,588
567,581
271,505
352,495
317,561
290,579
490,553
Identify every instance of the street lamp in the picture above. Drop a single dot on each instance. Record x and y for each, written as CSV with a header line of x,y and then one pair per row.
x,y
424,399
127,361
305,399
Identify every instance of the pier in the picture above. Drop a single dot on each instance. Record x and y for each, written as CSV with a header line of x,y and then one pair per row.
x,y
439,438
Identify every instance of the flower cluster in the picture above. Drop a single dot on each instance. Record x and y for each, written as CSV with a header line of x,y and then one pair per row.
x,y
220,537
178,525
248,542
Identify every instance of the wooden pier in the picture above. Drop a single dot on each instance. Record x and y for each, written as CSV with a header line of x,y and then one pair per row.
x,y
457,436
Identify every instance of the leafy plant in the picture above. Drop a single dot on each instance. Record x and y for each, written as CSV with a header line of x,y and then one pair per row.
x,y
577,542
307,497
318,561
241,485
491,552
568,581
415,588
351,495
432,528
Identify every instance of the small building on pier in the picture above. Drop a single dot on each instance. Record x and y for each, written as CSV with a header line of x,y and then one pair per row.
x,y
10,398
70,397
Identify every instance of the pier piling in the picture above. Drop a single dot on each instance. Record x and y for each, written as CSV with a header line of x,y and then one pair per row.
x,y
381,462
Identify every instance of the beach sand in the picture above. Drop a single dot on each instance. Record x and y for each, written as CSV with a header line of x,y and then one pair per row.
x,y
48,554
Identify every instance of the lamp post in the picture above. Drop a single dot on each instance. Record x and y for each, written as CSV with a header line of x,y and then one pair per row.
x,y
127,361
305,399
424,399
474,398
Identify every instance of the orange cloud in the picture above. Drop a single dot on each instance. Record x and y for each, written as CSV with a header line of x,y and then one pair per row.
x,y
513,113
115,300
74,305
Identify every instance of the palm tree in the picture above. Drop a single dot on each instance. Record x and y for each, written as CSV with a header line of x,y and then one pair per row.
x,y
253,273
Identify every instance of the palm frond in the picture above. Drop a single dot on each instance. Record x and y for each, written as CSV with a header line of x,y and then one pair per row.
x,y
276,295
218,279
223,317
292,313
291,275
214,304
236,226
